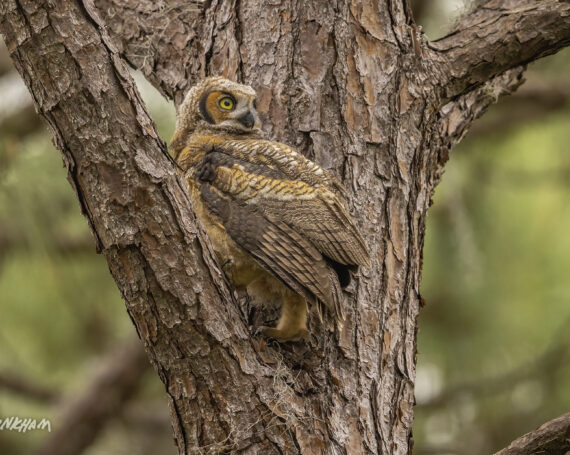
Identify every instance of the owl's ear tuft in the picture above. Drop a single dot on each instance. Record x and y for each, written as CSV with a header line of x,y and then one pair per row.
x,y
203,110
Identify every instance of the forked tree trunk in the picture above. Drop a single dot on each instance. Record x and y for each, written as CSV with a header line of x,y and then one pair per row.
x,y
358,89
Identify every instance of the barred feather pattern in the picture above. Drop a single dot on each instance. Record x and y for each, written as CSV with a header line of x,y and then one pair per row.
x,y
285,211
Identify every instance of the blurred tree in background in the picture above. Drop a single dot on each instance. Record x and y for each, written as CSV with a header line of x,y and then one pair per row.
x,y
494,344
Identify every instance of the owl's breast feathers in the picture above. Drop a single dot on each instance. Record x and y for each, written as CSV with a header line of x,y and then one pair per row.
x,y
285,210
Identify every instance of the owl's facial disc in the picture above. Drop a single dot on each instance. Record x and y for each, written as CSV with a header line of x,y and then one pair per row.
x,y
234,112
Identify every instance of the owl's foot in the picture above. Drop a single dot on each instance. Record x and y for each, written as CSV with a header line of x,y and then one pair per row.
x,y
284,335
292,325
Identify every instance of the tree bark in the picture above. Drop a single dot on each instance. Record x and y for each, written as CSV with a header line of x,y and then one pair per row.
x,y
355,87
496,36
551,438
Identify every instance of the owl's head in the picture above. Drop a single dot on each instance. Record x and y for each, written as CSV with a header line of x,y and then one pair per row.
x,y
219,104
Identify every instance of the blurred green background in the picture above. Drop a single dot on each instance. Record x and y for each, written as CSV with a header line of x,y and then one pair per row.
x,y
494,338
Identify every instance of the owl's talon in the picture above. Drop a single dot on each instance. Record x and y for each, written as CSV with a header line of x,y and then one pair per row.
x,y
262,331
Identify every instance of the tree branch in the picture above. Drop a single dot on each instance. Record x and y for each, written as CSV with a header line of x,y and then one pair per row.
x,y
457,116
551,438
12,239
533,102
174,43
102,399
160,38
22,386
551,360
496,36
142,415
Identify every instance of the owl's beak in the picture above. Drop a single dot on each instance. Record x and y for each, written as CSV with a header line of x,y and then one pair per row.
x,y
247,120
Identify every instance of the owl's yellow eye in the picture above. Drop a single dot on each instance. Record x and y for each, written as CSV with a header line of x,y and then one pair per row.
x,y
226,103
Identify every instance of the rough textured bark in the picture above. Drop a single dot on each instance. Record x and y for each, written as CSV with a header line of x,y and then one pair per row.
x,y
357,88
498,35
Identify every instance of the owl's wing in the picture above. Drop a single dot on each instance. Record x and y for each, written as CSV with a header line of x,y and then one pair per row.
x,y
295,190
277,247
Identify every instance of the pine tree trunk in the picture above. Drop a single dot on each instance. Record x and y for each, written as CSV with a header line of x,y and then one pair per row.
x,y
357,88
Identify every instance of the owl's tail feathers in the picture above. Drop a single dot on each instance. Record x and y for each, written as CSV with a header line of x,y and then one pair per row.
x,y
337,307
332,309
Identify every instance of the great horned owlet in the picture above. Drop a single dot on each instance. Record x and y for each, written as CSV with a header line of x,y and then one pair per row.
x,y
278,222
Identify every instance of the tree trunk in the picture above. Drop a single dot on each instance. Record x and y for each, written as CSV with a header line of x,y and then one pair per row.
x,y
357,88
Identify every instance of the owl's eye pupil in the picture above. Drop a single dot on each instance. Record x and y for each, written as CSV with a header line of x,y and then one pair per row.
x,y
226,103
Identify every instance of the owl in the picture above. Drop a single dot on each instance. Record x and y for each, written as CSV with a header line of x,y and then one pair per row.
x,y
278,222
